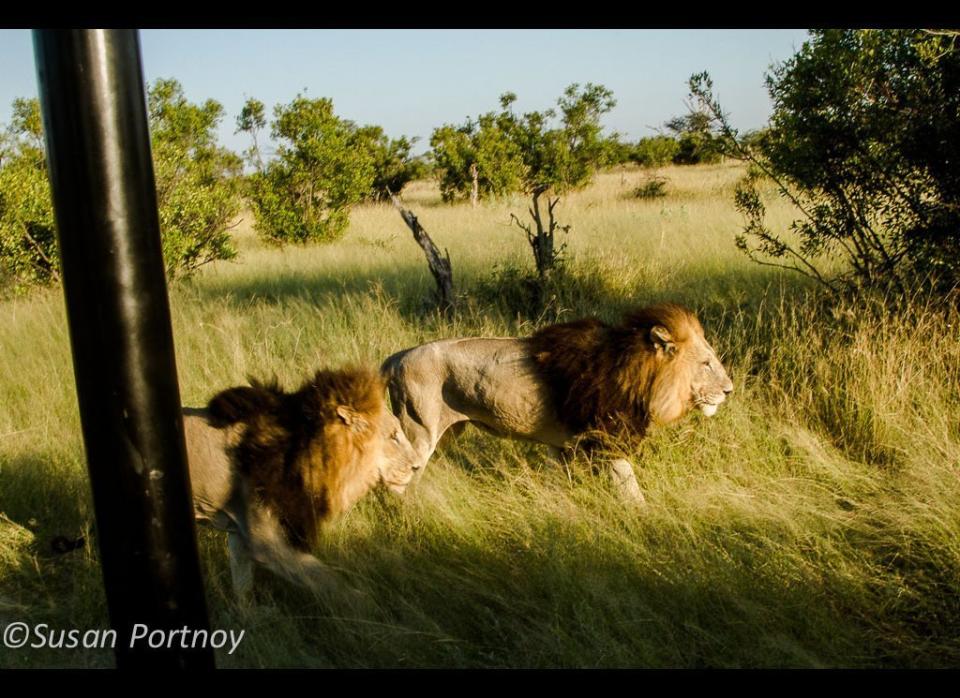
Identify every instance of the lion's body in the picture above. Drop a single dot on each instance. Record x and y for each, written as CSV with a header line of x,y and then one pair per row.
x,y
270,467
462,380
564,381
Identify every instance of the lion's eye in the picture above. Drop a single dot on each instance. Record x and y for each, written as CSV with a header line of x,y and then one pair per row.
x,y
708,366
395,436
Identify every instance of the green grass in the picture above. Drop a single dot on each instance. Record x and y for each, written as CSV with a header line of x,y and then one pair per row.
x,y
813,522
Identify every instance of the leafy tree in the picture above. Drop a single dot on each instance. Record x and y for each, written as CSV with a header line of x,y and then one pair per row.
x,y
486,145
323,166
531,153
537,153
197,181
655,151
393,166
617,151
197,192
557,160
864,140
697,138
252,120
28,250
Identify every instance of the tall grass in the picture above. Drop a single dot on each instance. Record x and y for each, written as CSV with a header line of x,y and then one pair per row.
x,y
813,522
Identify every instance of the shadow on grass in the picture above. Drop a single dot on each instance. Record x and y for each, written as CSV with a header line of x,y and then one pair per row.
x,y
47,494
471,586
563,597
399,284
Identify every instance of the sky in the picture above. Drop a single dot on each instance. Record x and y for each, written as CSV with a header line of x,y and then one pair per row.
x,y
411,81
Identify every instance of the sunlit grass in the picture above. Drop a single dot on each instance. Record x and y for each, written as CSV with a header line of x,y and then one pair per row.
x,y
813,522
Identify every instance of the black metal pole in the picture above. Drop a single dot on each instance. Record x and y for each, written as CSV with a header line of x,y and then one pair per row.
x,y
101,174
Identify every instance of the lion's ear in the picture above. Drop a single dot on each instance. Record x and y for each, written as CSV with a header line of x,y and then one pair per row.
x,y
352,418
662,339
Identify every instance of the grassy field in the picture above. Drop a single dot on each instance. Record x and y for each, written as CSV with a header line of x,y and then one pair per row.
x,y
813,522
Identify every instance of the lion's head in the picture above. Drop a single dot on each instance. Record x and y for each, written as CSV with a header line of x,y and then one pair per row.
x,y
362,440
315,452
655,367
687,372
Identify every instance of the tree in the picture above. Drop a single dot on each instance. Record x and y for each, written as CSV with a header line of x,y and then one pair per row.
x,y
393,166
538,153
323,167
864,140
617,151
557,160
197,190
482,151
28,248
655,151
696,136
252,120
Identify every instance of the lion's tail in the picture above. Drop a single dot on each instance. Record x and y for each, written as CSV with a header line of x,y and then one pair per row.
x,y
239,404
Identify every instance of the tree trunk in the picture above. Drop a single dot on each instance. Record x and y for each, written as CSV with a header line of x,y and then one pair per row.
x,y
439,264
475,190
542,241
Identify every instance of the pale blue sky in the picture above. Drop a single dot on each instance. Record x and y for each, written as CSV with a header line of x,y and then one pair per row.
x,y
410,81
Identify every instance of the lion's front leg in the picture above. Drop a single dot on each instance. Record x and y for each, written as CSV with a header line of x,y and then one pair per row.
x,y
241,567
269,547
418,421
625,481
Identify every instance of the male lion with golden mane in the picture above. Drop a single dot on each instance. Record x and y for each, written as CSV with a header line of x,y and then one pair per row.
x,y
562,383
269,467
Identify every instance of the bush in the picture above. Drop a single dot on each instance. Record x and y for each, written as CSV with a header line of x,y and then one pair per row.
x,y
486,144
651,188
865,140
698,138
698,149
656,151
197,189
198,182
28,248
324,166
393,166
575,289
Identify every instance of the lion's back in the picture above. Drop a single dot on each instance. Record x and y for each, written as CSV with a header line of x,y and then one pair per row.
x,y
492,381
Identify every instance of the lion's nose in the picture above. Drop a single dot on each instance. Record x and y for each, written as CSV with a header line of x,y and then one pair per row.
x,y
727,389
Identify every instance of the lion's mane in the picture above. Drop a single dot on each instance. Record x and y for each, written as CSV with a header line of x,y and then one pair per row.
x,y
606,377
303,459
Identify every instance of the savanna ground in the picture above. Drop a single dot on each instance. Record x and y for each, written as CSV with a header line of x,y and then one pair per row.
x,y
813,522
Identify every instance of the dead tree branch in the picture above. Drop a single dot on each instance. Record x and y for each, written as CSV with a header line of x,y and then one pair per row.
x,y
439,264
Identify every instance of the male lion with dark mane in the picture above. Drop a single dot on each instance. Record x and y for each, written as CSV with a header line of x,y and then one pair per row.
x,y
269,467
561,384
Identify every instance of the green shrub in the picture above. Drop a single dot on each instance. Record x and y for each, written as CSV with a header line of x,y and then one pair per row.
x,y
651,188
864,140
196,181
324,165
656,151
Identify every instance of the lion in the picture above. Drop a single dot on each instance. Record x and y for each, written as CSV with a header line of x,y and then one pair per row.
x,y
269,467
568,384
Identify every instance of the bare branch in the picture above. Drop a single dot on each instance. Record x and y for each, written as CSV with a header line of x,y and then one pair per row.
x,y
440,266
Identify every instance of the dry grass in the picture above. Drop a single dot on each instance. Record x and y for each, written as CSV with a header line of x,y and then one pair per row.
x,y
812,522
